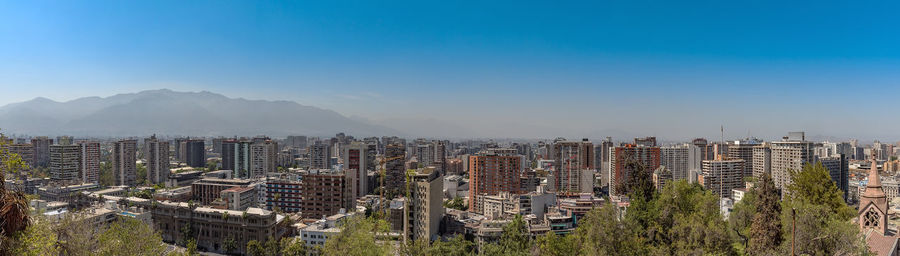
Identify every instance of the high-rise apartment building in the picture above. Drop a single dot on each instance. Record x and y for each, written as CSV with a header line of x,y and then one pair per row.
x,y
839,169
706,150
64,163
355,165
41,150
236,157
574,167
285,195
325,192
791,153
424,209
295,141
124,156
762,160
217,144
743,149
680,160
440,156
645,142
721,176
425,153
601,159
626,161
319,156
262,158
371,153
156,153
89,161
492,172
394,169
193,152
25,151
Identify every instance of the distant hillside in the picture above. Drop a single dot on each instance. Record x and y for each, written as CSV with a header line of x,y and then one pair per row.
x,y
177,113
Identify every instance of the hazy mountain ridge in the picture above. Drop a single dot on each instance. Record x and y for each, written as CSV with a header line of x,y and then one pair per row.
x,y
177,113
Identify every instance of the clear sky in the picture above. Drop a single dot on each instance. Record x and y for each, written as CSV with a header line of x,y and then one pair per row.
x,y
674,69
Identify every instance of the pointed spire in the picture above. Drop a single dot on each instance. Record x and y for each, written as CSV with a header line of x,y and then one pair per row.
x,y
873,188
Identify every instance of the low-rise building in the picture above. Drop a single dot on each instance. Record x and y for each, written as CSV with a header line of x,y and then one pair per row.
x,y
64,193
207,190
181,194
239,198
182,179
284,195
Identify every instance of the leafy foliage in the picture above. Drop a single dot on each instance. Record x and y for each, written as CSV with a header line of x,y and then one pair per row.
x,y
130,237
358,237
765,230
515,239
822,218
458,246
456,203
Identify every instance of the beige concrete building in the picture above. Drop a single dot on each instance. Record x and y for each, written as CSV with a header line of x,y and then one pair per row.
x,y
64,163
573,170
791,153
89,161
722,176
263,155
425,208
157,155
124,160
762,160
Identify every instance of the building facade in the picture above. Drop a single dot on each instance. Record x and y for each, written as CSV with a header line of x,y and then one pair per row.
x,y
64,163
791,153
156,153
492,172
124,162
628,159
89,161
236,157
722,176
574,167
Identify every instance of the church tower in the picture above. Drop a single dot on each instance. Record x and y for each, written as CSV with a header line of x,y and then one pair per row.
x,y
873,204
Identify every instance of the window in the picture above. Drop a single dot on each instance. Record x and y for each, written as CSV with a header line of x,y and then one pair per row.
x,y
872,218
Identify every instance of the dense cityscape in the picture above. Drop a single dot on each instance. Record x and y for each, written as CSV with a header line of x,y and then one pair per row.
x,y
311,195
449,128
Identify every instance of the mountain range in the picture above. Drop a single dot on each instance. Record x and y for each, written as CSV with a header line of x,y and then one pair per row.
x,y
179,113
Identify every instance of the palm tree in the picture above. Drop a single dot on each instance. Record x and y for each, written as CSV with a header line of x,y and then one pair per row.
x,y
13,205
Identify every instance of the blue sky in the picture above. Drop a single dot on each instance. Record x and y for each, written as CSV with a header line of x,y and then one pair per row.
x,y
675,69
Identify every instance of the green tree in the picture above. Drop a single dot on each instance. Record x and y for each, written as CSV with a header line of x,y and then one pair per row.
x,y
75,235
741,218
688,222
554,245
293,247
212,165
456,203
14,211
601,232
255,248
106,175
821,217
141,174
414,248
230,244
813,185
191,247
358,237
37,239
765,230
515,239
130,237
457,246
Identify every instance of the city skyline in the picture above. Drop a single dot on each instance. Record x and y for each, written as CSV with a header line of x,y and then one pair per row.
x,y
669,70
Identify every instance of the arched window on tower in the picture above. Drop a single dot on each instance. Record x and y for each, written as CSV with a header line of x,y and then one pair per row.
x,y
872,218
